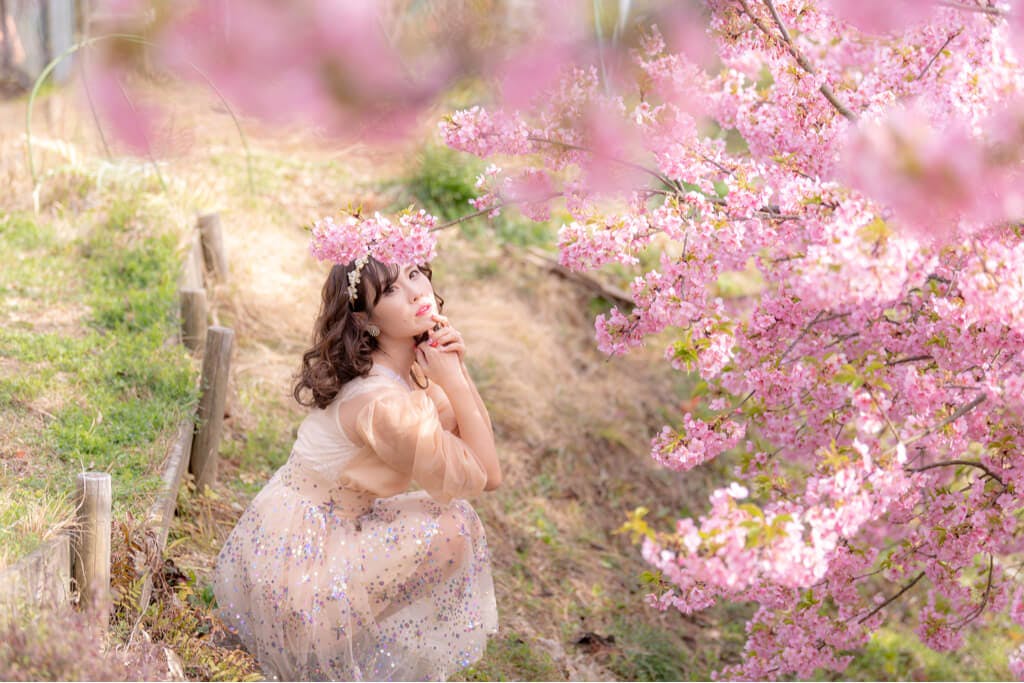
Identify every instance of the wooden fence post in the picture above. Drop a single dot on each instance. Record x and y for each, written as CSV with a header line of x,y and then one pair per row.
x,y
192,271
193,318
90,554
213,394
213,246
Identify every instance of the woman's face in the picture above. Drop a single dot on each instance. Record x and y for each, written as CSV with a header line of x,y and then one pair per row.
x,y
405,307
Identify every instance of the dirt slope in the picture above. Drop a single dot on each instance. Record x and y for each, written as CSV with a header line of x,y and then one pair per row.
x,y
572,425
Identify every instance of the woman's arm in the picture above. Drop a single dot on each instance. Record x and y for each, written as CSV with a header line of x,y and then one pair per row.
x,y
444,367
475,427
476,397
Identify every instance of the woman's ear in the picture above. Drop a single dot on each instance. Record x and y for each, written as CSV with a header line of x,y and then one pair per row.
x,y
361,318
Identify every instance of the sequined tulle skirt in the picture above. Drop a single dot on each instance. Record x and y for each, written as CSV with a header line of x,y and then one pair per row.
x,y
322,586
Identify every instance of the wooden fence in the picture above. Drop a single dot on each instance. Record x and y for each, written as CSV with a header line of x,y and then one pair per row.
x,y
78,563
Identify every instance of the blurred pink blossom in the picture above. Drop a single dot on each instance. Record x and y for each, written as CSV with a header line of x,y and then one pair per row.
x,y
932,176
134,119
883,16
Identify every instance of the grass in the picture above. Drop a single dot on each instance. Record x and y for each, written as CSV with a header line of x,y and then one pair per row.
x,y
65,644
262,444
442,181
90,382
512,655
894,653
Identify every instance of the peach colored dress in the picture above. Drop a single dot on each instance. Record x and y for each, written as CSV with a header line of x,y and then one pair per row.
x,y
336,572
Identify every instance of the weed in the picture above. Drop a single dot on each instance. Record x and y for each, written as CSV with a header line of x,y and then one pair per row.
x,y
443,181
512,654
177,616
65,645
894,653
19,231
649,654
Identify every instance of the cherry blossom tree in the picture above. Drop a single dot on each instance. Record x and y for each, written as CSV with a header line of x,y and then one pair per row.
x,y
866,168
859,161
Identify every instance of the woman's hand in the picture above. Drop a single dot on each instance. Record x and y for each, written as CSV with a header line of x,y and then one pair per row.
x,y
447,338
441,366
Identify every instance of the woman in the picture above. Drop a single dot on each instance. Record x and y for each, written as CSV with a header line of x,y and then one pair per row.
x,y
335,571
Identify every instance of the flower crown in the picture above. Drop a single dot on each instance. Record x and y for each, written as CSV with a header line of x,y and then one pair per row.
x,y
355,238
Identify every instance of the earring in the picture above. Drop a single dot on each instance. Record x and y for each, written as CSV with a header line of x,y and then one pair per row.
x,y
373,330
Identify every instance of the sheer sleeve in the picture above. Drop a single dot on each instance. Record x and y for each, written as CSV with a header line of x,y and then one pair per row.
x,y
405,431
445,411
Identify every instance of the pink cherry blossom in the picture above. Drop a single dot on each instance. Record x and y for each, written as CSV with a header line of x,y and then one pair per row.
x,y
877,363
878,16
408,241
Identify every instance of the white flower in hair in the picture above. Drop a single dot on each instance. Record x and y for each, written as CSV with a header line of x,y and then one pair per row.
x,y
354,276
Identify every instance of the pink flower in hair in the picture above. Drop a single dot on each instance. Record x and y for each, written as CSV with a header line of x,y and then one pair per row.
x,y
357,238
405,242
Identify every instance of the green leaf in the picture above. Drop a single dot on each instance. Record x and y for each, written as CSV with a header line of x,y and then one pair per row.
x,y
752,510
875,231
849,375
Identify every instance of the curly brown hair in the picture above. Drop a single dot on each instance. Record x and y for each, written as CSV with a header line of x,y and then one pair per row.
x,y
341,345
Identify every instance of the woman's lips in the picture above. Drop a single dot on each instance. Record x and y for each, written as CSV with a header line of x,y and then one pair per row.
x,y
424,309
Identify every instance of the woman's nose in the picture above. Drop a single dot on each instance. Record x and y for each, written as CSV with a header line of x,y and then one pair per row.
x,y
417,290
415,294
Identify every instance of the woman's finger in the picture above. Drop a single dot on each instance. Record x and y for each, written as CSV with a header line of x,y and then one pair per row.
x,y
445,335
452,339
431,352
455,347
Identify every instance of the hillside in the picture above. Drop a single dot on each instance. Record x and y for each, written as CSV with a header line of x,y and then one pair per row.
x,y
573,426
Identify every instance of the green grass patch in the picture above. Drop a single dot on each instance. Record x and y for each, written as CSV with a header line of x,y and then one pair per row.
x,y
894,653
443,181
512,658
19,231
261,439
648,653
674,649
123,386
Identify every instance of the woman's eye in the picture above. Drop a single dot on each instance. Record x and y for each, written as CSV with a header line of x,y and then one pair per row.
x,y
390,289
414,271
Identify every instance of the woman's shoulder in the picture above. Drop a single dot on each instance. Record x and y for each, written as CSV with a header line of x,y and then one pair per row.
x,y
373,388
365,384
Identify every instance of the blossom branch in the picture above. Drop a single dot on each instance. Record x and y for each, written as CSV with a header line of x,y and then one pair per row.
x,y
803,333
496,207
984,9
787,42
892,599
910,359
960,412
884,414
938,52
607,157
954,463
716,164
977,611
